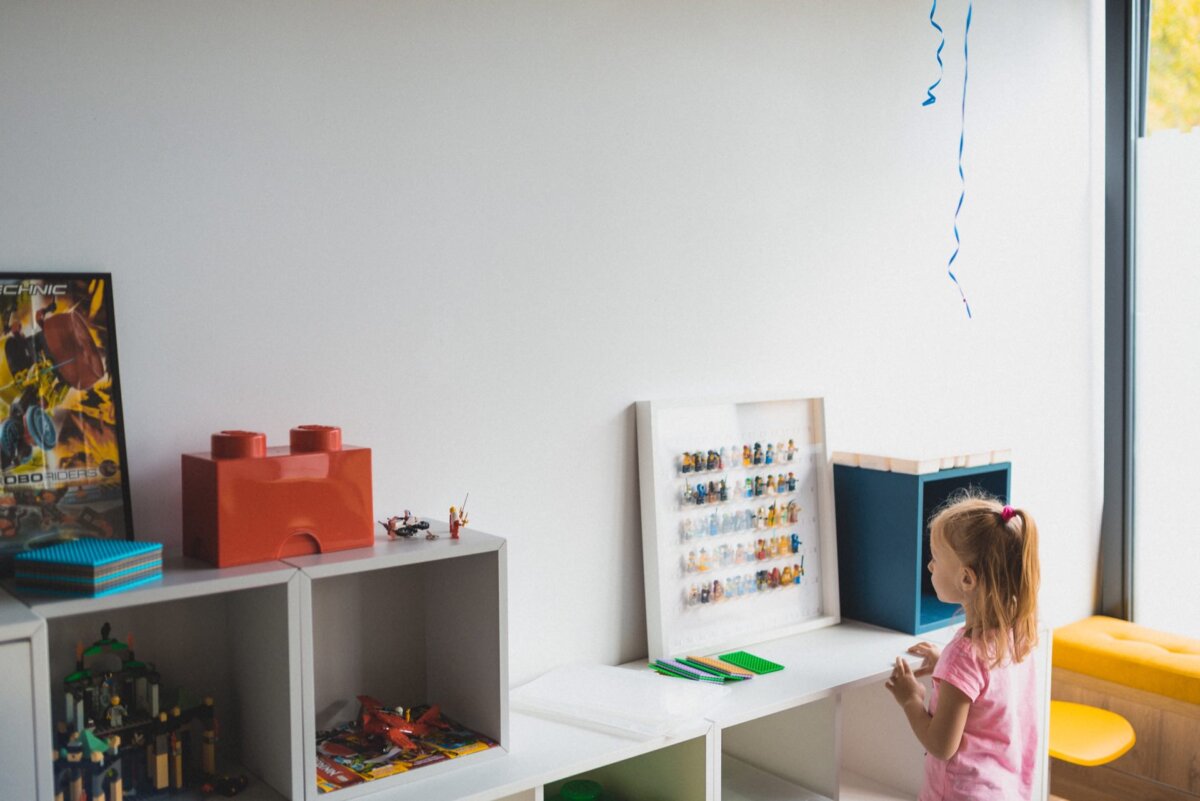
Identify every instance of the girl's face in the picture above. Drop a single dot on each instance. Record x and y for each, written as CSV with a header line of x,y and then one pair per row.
x,y
952,580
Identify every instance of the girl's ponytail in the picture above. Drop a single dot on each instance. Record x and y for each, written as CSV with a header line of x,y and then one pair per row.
x,y
1026,590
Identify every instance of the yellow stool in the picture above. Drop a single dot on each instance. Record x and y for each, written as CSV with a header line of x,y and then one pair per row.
x,y
1087,735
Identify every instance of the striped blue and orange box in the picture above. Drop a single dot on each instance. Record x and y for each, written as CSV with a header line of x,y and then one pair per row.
x,y
89,567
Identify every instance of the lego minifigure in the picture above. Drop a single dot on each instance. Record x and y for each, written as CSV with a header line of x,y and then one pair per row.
x,y
713,458
770,454
791,482
770,485
746,457
115,714
686,463
458,519
786,576
718,591
791,450
758,453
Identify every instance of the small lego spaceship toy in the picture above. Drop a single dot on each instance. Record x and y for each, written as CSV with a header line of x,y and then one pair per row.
x,y
403,526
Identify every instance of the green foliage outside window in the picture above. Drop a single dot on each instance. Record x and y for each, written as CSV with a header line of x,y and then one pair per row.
x,y
1173,81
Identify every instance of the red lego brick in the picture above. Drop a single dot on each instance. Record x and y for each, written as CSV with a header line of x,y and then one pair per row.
x,y
244,502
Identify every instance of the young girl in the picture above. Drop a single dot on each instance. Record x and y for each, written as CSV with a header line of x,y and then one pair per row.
x,y
980,731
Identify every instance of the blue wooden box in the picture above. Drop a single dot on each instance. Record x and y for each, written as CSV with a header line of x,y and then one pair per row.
x,y
883,541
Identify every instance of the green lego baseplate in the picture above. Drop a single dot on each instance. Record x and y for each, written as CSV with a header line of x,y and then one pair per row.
x,y
755,664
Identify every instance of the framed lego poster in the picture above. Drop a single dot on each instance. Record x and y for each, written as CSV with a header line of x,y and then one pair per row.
x,y
62,443
738,535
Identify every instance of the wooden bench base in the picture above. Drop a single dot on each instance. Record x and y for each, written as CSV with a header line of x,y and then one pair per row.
x,y
1164,764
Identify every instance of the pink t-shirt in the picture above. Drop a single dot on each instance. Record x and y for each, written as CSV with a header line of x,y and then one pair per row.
x,y
999,748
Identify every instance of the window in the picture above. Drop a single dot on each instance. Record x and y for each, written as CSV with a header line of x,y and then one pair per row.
x,y
1166,321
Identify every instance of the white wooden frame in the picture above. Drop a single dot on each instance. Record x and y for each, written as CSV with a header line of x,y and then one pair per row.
x,y
667,429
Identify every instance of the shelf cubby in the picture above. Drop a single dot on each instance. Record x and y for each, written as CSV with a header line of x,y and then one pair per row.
x,y
232,634
754,766
25,698
675,772
883,540
408,622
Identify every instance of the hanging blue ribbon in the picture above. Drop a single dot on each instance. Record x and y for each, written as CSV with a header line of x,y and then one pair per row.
x,y
929,101
962,131
961,137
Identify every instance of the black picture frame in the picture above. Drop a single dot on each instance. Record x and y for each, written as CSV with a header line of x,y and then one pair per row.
x,y
63,464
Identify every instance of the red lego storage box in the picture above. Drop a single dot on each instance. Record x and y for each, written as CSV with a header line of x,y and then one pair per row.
x,y
245,502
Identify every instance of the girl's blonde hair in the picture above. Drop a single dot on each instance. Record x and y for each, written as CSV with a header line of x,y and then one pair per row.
x,y
1000,545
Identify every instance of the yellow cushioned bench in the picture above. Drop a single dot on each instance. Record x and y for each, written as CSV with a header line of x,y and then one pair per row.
x,y
1132,655
1153,680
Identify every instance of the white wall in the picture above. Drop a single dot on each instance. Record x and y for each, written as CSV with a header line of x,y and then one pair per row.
x,y
473,234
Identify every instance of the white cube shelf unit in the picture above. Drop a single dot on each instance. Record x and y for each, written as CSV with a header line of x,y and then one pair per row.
x,y
232,634
784,735
407,622
736,550
24,700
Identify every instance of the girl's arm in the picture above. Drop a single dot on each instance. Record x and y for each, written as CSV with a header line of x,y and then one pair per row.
x,y
940,733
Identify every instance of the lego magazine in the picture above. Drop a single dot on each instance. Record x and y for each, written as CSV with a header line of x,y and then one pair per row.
x,y
62,447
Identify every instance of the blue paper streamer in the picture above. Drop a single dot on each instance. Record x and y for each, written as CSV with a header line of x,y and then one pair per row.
x,y
961,139
962,132
929,101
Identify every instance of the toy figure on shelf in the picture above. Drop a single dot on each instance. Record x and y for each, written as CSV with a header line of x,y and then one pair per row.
x,y
403,526
395,724
458,519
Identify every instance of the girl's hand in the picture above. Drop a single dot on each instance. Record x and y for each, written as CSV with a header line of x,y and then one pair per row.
x,y
929,654
903,684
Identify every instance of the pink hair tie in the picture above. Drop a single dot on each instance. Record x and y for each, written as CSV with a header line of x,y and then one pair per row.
x,y
1007,513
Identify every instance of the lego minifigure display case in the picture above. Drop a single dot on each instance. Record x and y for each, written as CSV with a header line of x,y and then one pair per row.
x,y
738,529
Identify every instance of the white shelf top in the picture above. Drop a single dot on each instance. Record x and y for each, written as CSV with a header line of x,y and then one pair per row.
x,y
817,664
16,621
399,552
182,578
543,751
